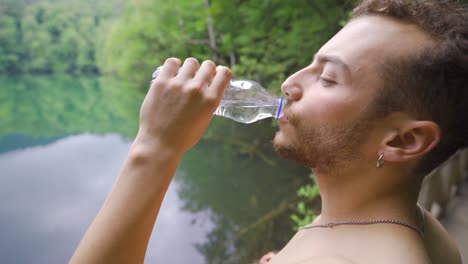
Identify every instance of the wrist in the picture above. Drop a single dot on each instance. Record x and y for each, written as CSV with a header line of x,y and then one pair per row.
x,y
150,163
150,148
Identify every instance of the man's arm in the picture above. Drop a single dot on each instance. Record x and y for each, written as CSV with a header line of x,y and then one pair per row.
x,y
173,117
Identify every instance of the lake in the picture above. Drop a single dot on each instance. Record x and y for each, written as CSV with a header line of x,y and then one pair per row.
x,y
63,140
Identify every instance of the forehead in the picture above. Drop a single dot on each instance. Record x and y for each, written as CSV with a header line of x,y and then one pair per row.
x,y
367,41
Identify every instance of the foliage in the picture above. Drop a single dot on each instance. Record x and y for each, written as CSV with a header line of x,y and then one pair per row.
x,y
150,31
264,40
304,215
52,36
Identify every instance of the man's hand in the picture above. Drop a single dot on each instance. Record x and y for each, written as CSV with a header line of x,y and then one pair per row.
x,y
179,106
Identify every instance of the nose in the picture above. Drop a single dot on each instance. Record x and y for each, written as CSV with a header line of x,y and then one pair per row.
x,y
292,88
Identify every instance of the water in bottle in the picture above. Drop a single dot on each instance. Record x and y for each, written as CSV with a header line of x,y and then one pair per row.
x,y
246,102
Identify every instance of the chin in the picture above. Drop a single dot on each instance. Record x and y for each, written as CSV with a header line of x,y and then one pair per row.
x,y
279,142
280,139
283,141
288,150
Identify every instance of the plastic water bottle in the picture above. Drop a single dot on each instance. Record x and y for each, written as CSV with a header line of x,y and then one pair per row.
x,y
246,102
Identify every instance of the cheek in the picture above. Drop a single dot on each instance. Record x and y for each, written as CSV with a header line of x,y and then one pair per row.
x,y
330,106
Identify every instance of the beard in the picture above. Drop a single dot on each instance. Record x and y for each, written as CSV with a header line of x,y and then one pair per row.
x,y
325,148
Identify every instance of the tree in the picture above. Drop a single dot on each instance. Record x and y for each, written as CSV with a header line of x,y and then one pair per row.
x,y
260,39
52,36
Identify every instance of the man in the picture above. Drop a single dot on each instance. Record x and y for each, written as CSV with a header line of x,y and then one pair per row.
x,y
383,103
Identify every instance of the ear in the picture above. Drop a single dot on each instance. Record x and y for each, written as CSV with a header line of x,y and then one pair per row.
x,y
411,141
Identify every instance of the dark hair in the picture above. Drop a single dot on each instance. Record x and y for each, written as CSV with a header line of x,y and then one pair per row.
x,y
433,83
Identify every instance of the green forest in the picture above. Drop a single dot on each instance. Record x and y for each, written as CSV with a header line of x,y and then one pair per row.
x,y
263,40
52,36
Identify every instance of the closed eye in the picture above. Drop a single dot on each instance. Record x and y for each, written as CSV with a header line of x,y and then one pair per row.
x,y
327,82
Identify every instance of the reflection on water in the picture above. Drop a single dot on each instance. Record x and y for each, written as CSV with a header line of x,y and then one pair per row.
x,y
56,106
50,195
244,193
62,143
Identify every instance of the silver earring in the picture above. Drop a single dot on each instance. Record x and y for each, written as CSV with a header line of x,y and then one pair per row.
x,y
380,161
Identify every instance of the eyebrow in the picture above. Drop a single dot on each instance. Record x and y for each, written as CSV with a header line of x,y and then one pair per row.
x,y
333,60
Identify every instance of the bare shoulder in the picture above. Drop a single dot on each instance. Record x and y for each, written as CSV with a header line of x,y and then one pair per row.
x,y
327,260
440,247
394,244
365,259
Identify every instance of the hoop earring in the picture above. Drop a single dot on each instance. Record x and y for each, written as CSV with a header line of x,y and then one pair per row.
x,y
380,161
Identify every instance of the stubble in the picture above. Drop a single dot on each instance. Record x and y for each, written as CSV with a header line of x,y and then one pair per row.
x,y
326,148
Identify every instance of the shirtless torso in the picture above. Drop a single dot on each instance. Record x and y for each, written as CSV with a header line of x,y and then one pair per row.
x,y
380,243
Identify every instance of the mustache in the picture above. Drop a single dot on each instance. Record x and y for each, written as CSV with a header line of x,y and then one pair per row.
x,y
287,109
290,115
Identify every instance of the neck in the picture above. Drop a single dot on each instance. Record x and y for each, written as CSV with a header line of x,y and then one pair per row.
x,y
374,195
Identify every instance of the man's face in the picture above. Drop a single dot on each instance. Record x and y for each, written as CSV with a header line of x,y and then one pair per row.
x,y
328,123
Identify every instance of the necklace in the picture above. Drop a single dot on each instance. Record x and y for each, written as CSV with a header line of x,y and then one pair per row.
x,y
370,222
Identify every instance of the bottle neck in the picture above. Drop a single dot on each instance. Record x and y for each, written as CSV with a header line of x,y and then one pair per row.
x,y
279,111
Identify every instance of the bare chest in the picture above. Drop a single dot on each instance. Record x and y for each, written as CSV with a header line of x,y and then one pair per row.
x,y
355,245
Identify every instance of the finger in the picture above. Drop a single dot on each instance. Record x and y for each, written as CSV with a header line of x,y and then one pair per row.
x,y
220,82
169,68
188,70
205,74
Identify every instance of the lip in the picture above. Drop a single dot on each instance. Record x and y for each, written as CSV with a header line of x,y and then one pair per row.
x,y
283,120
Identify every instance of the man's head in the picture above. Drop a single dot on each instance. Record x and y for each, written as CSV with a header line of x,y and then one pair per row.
x,y
394,80
431,83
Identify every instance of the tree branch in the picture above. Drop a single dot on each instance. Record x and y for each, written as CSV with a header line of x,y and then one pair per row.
x,y
211,32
